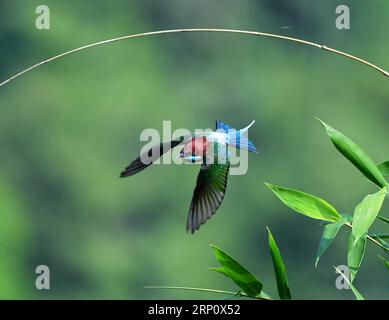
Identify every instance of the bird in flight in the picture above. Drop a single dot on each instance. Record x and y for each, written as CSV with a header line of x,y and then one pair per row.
x,y
210,149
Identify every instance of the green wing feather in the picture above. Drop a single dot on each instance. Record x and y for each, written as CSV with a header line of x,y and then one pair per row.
x,y
208,194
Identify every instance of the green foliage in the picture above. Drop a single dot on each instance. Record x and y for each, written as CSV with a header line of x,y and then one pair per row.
x,y
366,212
386,220
384,168
385,261
379,236
306,204
243,278
329,233
355,155
279,269
311,206
353,289
381,239
249,285
356,251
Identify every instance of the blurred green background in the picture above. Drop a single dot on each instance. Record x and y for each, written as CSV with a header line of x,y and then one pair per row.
x,y
68,129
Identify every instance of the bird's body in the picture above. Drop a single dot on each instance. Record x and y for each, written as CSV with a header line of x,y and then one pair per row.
x,y
211,150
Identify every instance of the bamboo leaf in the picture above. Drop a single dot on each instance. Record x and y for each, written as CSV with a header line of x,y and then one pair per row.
x,y
386,220
279,269
356,251
384,168
386,262
306,204
243,278
380,238
221,271
329,233
359,158
366,212
353,289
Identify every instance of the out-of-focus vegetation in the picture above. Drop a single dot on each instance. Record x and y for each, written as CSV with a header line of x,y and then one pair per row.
x,y
68,129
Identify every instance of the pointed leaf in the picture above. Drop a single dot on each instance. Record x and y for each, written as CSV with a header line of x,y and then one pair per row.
x,y
384,168
353,289
279,269
366,212
243,278
386,220
356,250
221,270
306,204
355,155
386,262
380,238
329,233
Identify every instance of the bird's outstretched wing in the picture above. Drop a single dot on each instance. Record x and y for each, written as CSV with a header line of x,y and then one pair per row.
x,y
147,158
208,194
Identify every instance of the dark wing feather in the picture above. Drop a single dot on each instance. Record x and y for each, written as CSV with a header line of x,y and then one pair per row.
x,y
208,194
147,158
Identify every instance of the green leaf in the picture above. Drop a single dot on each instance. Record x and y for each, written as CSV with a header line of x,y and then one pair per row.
x,y
356,250
221,271
386,220
306,204
380,238
279,269
366,212
355,155
386,262
353,289
329,233
243,278
384,168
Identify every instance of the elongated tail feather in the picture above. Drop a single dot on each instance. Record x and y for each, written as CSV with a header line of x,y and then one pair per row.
x,y
236,138
223,127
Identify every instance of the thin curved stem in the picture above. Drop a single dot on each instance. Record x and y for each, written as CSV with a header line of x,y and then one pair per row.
x,y
153,33
239,294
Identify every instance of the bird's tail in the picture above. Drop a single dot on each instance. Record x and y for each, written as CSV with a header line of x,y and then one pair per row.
x,y
236,138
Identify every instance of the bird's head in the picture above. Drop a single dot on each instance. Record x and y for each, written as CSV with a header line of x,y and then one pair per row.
x,y
194,150
190,157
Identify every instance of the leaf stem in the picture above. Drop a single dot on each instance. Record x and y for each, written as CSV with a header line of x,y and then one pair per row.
x,y
371,239
159,32
239,294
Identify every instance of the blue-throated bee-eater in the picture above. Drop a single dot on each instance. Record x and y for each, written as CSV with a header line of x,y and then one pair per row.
x,y
209,149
